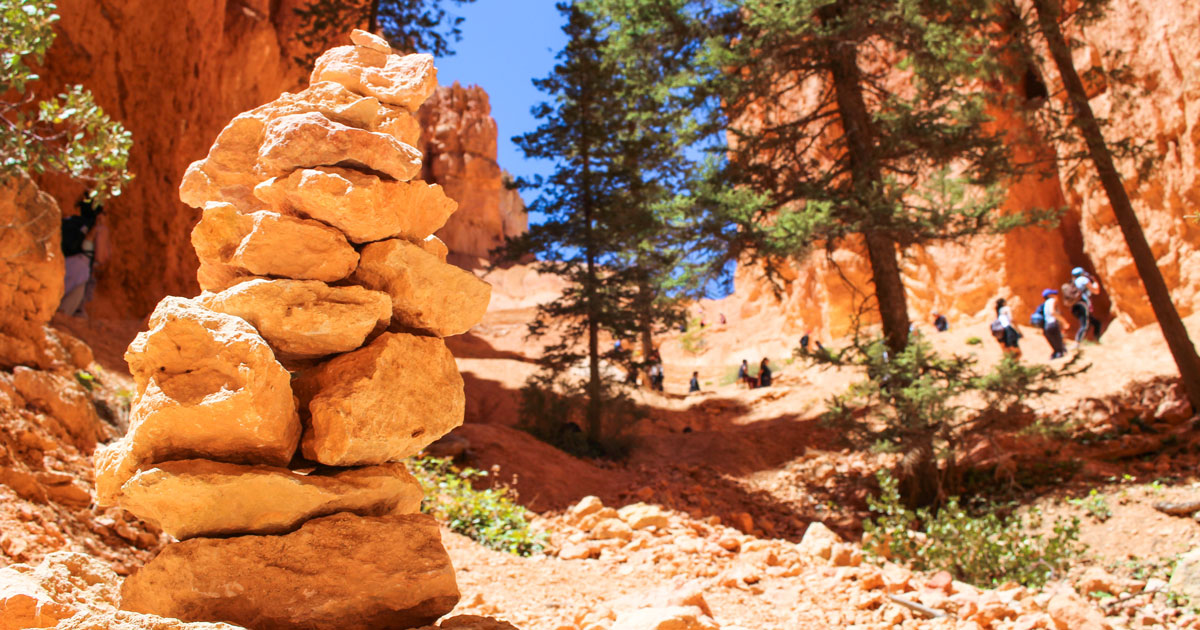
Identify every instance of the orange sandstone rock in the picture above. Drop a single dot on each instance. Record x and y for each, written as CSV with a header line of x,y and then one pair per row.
x,y
340,572
207,386
364,207
308,140
427,294
305,318
401,80
382,402
269,244
197,497
31,270
229,171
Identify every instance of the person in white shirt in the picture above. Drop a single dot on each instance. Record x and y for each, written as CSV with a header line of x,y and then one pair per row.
x,y
1052,329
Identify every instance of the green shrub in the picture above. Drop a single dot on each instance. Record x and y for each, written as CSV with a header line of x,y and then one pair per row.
x,y
974,341
1095,504
987,548
693,339
491,517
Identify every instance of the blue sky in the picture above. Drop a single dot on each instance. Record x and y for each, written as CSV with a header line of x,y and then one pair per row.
x,y
505,45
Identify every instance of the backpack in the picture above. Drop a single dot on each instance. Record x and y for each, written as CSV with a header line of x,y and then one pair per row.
x,y
1071,295
74,232
1038,319
997,327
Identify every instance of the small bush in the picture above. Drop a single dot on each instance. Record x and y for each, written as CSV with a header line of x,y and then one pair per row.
x,y
491,517
985,549
693,340
1095,504
974,341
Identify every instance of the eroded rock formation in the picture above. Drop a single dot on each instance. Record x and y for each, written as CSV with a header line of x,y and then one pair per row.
x,y
265,475
459,142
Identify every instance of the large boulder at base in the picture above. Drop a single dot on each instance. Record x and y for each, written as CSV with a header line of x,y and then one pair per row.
x,y
207,386
427,293
340,572
382,402
31,270
305,318
267,243
402,80
197,497
363,206
228,172
308,140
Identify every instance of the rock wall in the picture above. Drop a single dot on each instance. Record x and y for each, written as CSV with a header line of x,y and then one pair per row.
x,y
458,138
173,73
1158,44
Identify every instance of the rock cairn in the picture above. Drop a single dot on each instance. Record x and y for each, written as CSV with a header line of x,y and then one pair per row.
x,y
273,410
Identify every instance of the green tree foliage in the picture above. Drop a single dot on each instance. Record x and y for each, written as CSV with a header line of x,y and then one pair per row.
x,y
67,134
927,406
845,119
408,25
607,225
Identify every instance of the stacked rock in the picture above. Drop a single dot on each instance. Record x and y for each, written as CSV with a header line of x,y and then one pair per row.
x,y
273,410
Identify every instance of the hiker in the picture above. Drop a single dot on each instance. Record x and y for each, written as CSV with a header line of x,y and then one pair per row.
x,y
1003,330
656,377
1078,294
939,322
79,234
744,376
764,373
694,384
804,341
1047,317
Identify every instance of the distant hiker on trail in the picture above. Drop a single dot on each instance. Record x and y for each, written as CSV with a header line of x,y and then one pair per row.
x,y
939,322
744,376
1003,330
1047,317
1078,294
804,341
764,373
656,377
694,384
721,318
79,234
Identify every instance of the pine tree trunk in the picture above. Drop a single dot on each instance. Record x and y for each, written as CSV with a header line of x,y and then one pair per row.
x,y
1182,349
647,338
372,16
866,179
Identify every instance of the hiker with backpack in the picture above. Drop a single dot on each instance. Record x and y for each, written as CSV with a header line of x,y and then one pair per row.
x,y
79,236
1077,294
1003,330
1047,317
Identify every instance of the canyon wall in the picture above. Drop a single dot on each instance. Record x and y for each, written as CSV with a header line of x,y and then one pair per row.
x,y
1158,45
174,73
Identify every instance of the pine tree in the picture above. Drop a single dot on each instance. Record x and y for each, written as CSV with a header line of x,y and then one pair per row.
x,y
600,229
845,120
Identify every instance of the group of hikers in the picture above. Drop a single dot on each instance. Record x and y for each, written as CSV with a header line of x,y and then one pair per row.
x,y
762,379
1076,296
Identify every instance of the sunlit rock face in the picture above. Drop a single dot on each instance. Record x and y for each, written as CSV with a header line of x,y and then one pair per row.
x,y
459,142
